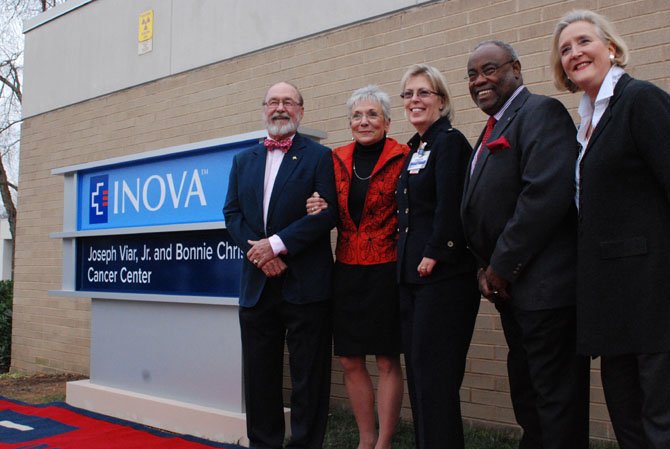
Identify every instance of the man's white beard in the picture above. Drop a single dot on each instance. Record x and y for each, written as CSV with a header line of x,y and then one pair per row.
x,y
282,130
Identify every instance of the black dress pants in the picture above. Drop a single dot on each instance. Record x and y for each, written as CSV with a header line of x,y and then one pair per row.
x,y
306,329
549,382
637,392
437,322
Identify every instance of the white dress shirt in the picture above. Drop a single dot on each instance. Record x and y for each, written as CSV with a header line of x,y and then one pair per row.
x,y
592,113
273,161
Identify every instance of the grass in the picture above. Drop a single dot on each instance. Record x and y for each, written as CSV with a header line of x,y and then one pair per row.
x,y
35,389
342,434
57,397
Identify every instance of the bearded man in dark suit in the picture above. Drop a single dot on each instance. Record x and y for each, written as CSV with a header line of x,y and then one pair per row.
x,y
285,284
520,222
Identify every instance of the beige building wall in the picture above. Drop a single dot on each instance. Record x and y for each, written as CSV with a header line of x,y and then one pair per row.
x,y
51,334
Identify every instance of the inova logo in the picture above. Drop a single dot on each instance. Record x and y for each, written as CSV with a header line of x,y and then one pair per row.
x,y
113,196
99,199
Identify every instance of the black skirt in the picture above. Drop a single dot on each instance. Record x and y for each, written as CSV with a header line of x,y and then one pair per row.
x,y
365,310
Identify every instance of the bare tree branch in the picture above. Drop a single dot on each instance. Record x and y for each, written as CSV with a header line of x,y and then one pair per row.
x,y
12,13
10,76
9,125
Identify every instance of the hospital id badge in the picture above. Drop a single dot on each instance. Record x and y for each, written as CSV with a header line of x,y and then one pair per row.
x,y
418,162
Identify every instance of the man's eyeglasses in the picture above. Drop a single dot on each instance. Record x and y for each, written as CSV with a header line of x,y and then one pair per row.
x,y
371,116
421,93
274,103
487,72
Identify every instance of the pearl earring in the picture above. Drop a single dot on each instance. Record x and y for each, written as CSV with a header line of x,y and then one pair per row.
x,y
611,57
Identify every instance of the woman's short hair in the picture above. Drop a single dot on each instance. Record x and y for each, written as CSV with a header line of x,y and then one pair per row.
x,y
371,93
605,31
436,79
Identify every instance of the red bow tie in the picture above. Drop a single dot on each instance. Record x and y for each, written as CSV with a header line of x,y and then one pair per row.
x,y
282,145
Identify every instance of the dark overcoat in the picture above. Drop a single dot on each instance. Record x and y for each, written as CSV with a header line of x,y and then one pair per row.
x,y
624,226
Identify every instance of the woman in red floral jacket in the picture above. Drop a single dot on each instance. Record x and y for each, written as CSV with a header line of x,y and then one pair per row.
x,y
365,305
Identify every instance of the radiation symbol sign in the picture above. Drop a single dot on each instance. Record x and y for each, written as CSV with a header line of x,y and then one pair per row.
x,y
145,32
146,26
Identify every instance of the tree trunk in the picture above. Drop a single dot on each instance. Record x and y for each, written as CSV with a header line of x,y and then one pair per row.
x,y
7,199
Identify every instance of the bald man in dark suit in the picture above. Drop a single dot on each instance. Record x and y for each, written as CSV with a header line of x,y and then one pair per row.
x,y
520,222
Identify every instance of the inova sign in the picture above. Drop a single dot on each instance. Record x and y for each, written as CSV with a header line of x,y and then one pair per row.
x,y
180,188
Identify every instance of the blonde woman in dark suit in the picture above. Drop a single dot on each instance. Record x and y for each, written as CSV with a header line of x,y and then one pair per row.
x,y
439,299
623,196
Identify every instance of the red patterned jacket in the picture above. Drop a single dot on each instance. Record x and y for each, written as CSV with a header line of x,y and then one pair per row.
x,y
374,241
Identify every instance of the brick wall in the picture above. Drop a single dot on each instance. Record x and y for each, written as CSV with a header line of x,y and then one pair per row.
x,y
51,334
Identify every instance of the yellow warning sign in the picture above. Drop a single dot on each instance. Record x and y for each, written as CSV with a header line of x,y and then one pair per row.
x,y
146,26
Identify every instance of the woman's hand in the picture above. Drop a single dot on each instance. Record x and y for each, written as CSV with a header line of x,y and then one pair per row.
x,y
426,266
315,204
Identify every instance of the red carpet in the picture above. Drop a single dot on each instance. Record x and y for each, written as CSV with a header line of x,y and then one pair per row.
x,y
60,426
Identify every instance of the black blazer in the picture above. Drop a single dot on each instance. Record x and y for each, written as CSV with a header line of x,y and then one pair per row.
x,y
429,224
307,167
624,226
518,208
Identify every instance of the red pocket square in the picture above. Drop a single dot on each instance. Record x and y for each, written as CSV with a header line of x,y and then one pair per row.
x,y
498,145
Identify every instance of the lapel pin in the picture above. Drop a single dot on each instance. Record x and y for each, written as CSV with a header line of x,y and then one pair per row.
x,y
295,158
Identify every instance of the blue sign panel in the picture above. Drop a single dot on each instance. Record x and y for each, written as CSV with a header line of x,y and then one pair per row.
x,y
181,188
198,263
